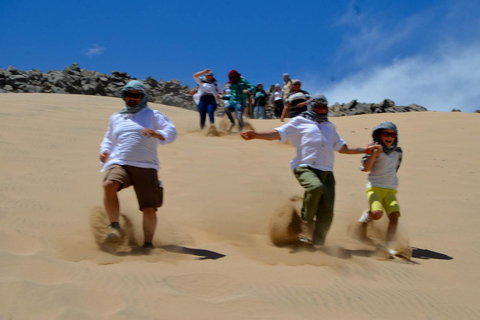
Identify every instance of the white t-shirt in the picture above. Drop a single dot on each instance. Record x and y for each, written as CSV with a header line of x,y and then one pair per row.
x,y
126,143
383,173
207,88
315,143
277,95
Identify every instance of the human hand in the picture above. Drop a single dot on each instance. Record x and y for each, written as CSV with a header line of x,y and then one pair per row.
x,y
149,133
375,149
248,135
245,91
104,156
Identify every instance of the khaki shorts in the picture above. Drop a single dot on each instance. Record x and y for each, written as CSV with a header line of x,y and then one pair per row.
x,y
148,188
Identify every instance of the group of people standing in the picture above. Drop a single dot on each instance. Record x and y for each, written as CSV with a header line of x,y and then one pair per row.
x,y
242,98
129,154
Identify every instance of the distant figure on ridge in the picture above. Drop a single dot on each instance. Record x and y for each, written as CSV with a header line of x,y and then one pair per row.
x,y
287,85
239,91
277,101
315,139
259,102
296,102
129,156
208,90
382,182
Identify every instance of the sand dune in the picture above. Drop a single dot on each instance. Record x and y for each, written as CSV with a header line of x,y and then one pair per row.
x,y
214,258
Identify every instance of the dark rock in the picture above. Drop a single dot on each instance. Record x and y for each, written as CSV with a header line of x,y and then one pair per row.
x,y
73,79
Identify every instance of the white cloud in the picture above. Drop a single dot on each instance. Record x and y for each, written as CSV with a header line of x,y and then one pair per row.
x,y
442,81
94,50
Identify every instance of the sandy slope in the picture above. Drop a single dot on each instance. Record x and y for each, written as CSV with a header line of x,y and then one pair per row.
x,y
216,261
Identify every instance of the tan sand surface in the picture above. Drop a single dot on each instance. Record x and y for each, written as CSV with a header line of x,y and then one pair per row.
x,y
215,259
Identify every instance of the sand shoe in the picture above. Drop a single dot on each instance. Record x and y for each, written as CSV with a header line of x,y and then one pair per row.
x,y
112,235
306,235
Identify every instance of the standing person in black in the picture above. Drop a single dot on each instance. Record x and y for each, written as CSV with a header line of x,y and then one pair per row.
x,y
259,101
296,101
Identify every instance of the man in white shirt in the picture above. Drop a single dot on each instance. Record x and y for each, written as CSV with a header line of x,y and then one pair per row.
x,y
128,154
315,140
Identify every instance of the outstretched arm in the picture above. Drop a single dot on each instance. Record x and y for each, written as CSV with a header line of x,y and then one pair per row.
x,y
357,150
264,135
199,73
373,151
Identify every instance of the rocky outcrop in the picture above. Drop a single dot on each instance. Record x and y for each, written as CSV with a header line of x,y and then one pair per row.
x,y
355,108
74,80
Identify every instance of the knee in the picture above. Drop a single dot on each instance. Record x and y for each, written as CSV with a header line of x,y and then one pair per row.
x,y
376,214
111,186
315,188
394,216
149,212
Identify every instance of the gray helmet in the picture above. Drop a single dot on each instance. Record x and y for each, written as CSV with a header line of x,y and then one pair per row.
x,y
386,125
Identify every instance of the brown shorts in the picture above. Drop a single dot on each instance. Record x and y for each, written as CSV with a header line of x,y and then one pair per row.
x,y
145,181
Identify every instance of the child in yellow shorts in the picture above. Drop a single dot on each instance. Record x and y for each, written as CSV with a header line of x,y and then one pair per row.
x,y
382,182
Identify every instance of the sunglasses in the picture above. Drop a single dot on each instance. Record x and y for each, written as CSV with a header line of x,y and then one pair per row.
x,y
133,95
297,84
389,134
320,105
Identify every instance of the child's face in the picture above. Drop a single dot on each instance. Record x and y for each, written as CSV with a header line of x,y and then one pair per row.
x,y
388,137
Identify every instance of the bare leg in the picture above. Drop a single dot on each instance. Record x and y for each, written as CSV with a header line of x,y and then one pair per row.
x,y
110,199
149,223
392,226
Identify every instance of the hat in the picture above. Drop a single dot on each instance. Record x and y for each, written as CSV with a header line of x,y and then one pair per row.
x,y
385,125
297,82
233,76
317,98
277,85
286,75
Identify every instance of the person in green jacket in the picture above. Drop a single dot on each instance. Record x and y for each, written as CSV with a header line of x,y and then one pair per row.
x,y
240,89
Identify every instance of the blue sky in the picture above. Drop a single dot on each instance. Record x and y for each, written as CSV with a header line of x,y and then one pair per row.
x,y
424,52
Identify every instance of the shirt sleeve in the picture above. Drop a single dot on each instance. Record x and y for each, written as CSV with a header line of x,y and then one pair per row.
x,y
107,142
400,157
250,87
198,81
287,130
365,157
338,142
165,127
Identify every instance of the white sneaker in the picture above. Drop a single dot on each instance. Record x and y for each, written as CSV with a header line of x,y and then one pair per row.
x,y
393,252
306,235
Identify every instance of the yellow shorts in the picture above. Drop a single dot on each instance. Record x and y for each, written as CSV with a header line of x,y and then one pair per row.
x,y
381,198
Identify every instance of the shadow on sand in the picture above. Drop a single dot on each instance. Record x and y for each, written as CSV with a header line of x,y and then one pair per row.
x,y
428,254
201,253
